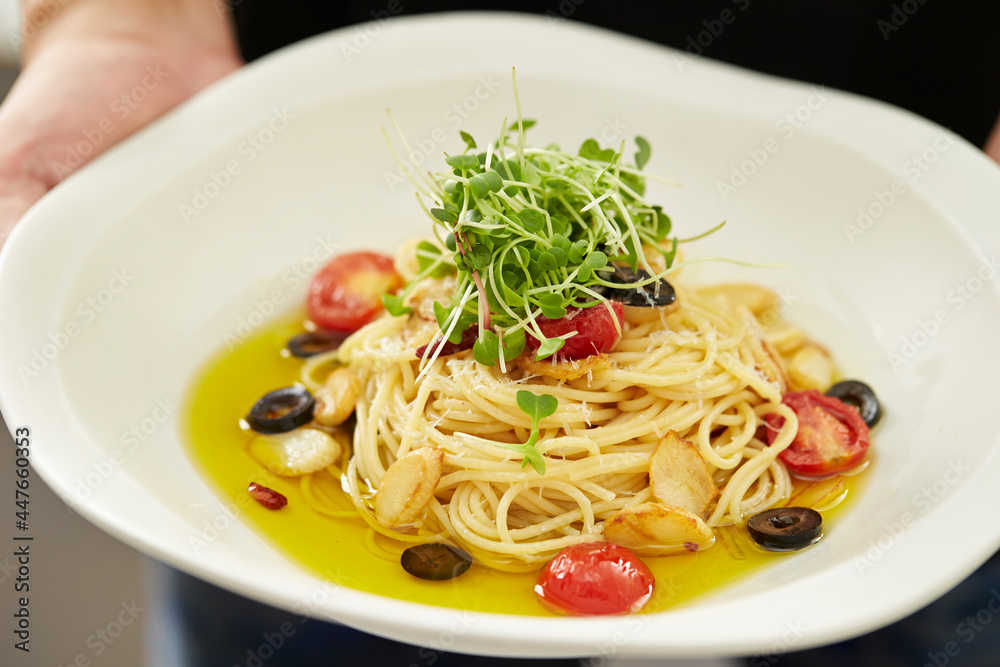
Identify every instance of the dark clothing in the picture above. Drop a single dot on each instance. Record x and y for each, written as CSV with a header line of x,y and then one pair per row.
x,y
939,59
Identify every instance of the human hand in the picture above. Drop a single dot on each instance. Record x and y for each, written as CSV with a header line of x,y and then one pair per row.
x,y
992,147
95,73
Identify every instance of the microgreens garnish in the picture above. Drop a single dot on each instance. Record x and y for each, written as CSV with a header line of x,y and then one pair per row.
x,y
538,407
531,232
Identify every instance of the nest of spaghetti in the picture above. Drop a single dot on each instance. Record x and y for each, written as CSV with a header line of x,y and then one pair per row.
x,y
652,445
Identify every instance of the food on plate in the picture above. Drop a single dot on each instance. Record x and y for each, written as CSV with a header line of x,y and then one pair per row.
x,y
435,561
538,386
786,528
594,578
860,396
831,436
282,410
312,343
267,497
347,293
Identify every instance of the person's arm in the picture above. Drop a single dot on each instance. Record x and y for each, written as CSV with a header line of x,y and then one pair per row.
x,y
95,71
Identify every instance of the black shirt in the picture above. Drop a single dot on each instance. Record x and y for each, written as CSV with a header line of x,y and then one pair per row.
x,y
940,59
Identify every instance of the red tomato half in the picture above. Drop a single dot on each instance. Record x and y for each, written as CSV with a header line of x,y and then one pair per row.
x,y
347,293
594,578
596,331
832,436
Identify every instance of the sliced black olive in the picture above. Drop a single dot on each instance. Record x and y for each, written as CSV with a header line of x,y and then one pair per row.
x,y
654,295
860,396
282,410
435,561
786,528
306,345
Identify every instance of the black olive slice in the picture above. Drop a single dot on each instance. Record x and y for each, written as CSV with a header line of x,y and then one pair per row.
x,y
306,345
860,396
786,528
435,561
282,410
654,295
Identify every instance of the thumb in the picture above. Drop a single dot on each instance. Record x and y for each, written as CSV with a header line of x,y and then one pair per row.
x,y
16,197
992,146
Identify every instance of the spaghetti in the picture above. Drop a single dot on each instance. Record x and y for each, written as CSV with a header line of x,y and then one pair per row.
x,y
700,371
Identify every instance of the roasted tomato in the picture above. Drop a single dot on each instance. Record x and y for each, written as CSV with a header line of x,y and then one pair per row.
x,y
347,293
832,435
594,578
597,331
468,340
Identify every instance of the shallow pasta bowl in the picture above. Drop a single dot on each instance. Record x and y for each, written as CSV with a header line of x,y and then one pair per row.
x,y
121,284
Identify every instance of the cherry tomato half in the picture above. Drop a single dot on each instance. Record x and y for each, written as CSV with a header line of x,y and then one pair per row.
x,y
594,578
596,331
832,436
347,293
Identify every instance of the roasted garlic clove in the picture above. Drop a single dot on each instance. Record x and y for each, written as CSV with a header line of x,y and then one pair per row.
x,y
679,476
652,528
336,399
811,368
297,452
408,485
766,358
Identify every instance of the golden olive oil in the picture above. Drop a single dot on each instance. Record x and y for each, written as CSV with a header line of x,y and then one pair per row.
x,y
334,548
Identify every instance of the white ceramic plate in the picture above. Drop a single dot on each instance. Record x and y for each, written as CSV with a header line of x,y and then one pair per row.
x,y
113,295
